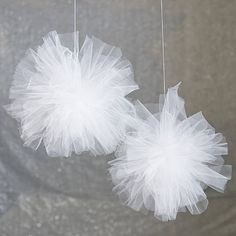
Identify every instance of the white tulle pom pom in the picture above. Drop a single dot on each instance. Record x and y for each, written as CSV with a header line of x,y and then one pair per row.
x,y
71,99
165,165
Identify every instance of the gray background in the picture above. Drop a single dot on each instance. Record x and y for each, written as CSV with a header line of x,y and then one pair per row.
x,y
42,196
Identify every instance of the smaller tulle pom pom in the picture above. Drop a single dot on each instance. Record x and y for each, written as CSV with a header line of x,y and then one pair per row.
x,y
166,164
71,99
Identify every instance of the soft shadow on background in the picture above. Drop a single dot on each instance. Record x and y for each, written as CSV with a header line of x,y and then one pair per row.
x,y
42,196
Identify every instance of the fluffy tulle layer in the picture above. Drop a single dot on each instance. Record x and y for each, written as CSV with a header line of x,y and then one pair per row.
x,y
167,163
72,100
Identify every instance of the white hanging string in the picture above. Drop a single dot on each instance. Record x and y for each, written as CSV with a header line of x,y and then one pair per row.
x,y
75,25
163,48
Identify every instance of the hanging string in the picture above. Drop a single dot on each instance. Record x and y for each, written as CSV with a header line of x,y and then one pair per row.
x,y
163,48
75,26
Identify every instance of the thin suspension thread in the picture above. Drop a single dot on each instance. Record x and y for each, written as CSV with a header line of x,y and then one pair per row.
x,y
75,25
163,48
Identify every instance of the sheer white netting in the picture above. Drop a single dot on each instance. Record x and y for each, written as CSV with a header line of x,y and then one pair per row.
x,y
165,165
73,100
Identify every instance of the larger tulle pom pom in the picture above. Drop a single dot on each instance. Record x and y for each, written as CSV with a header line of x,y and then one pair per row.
x,y
167,163
72,100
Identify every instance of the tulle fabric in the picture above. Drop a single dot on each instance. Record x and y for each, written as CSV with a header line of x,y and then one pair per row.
x,y
71,99
165,165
